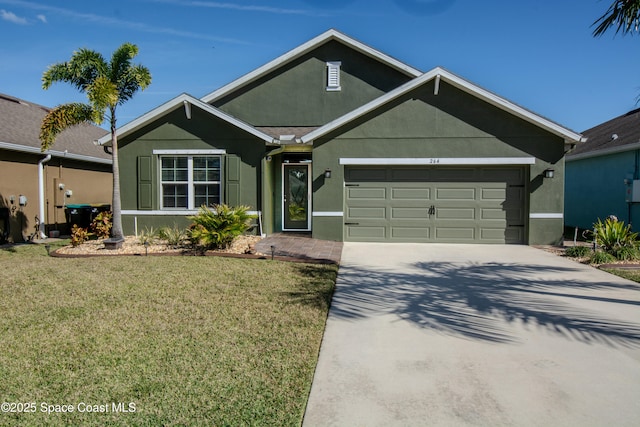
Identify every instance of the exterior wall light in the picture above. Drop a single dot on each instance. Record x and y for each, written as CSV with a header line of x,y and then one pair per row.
x,y
327,173
548,173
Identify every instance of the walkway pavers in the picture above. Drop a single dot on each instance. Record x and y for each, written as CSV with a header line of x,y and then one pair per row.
x,y
301,247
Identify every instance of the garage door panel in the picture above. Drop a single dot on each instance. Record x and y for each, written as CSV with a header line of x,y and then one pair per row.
x,y
409,213
410,174
366,174
371,193
455,233
493,194
366,213
493,214
410,193
455,194
455,213
453,174
366,233
410,233
436,204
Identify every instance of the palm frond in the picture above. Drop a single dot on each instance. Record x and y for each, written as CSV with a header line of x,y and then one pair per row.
x,y
102,94
61,118
83,68
624,15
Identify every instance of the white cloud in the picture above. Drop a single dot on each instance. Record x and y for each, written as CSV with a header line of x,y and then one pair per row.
x,y
12,17
42,18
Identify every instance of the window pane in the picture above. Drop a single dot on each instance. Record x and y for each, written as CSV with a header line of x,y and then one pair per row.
x,y
182,175
174,195
206,169
207,194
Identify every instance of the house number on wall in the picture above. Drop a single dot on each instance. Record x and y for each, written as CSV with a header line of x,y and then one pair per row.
x,y
434,161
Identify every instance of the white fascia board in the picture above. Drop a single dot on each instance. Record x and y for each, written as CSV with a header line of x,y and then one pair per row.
x,y
303,49
458,82
604,152
178,102
437,161
551,215
54,153
510,107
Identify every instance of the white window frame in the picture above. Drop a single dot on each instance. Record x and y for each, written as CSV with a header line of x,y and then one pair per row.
x,y
333,76
191,184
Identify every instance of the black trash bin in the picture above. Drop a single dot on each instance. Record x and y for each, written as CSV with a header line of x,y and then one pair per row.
x,y
78,214
97,209
5,224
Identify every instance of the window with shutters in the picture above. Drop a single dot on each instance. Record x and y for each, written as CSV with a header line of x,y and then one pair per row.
x,y
188,182
333,75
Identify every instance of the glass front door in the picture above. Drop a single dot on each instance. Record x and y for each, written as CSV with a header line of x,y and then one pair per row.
x,y
295,197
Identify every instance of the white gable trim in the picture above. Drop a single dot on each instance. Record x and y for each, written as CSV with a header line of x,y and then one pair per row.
x,y
305,48
179,102
442,74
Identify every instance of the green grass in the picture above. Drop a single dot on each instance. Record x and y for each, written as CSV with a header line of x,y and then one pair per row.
x,y
624,273
187,340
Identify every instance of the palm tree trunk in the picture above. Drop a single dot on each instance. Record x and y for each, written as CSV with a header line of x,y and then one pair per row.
x,y
116,208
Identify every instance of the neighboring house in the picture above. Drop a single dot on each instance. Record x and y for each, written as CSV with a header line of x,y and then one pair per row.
x,y
343,141
36,187
602,174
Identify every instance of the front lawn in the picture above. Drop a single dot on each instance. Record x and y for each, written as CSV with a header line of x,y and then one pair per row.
x,y
625,273
149,341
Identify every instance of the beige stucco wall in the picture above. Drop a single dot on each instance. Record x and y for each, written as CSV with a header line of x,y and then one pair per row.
x,y
89,183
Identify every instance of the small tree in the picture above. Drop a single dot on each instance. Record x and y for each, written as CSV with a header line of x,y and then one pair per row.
x,y
107,85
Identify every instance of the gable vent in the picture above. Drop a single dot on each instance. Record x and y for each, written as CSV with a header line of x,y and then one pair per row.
x,y
333,75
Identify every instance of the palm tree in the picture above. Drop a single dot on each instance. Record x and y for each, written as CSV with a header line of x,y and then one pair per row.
x,y
107,85
623,14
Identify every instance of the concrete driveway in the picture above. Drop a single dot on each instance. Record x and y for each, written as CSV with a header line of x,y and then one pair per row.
x,y
455,335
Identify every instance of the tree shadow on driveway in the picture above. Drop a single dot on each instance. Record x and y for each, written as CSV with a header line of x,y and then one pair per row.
x,y
486,301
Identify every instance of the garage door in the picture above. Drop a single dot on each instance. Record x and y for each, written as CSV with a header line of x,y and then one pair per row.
x,y
438,204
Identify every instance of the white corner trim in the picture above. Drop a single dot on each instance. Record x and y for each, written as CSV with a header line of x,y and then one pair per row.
x,y
327,214
190,152
558,215
435,161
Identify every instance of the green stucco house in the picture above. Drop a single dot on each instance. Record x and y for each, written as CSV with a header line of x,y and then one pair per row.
x,y
347,143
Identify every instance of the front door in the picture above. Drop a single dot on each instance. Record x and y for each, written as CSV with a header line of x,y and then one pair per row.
x,y
295,196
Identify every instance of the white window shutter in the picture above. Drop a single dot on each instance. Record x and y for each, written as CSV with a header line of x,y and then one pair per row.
x,y
333,75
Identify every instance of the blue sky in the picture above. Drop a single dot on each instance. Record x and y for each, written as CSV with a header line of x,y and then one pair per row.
x,y
537,53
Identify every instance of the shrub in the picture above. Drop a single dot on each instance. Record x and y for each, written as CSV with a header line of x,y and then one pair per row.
x,y
601,257
173,235
101,225
614,237
79,235
625,253
147,236
578,251
218,227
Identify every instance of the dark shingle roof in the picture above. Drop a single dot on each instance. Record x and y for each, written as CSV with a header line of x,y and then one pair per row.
x,y
20,125
613,134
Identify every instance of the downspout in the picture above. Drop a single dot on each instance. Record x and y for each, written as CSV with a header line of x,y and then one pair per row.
x,y
41,193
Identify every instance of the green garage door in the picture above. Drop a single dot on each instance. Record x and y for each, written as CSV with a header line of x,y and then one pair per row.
x,y
437,204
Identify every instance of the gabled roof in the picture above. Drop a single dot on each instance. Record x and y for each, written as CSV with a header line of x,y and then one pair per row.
x,y
616,135
439,74
20,122
302,50
184,101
